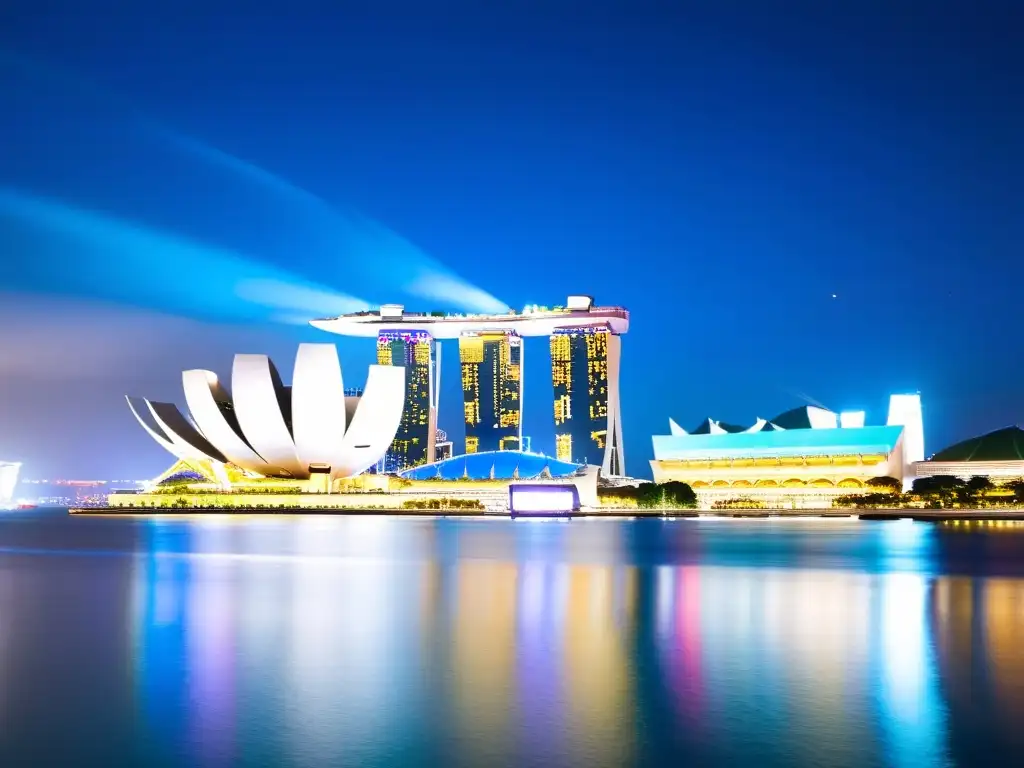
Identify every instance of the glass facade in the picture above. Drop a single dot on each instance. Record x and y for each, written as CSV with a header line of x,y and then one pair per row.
x,y
579,373
492,377
414,442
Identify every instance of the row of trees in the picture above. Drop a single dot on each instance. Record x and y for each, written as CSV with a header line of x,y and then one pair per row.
x,y
947,491
445,503
184,488
670,495
937,492
183,503
741,502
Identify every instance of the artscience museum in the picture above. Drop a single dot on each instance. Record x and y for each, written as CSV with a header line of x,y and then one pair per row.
x,y
313,429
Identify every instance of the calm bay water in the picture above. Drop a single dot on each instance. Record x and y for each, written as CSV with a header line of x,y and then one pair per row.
x,y
372,641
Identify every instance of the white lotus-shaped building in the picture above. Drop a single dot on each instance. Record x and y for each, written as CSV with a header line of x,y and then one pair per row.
x,y
274,430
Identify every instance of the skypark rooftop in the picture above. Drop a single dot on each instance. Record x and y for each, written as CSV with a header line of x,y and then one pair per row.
x,y
579,312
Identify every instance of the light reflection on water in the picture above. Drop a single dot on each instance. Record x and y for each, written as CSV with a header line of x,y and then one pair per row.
x,y
383,641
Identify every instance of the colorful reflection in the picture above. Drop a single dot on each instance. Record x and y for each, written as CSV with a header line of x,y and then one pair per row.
x,y
913,713
372,641
979,648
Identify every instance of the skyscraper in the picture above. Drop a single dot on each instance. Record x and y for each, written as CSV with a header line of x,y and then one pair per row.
x,y
586,343
414,442
585,376
492,380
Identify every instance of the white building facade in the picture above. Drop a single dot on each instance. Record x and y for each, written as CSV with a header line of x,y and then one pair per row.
x,y
271,430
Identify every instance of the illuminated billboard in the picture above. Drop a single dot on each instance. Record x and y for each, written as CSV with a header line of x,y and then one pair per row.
x,y
542,500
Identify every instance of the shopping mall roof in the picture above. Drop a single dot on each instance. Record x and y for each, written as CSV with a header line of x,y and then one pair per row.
x,y
493,465
778,443
1005,444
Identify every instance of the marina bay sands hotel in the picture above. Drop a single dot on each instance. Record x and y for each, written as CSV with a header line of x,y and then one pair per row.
x,y
585,342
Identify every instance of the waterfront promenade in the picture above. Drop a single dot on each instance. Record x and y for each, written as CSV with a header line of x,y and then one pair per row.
x,y
922,515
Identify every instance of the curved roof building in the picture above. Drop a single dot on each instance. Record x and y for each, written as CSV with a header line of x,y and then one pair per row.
x,y
998,455
274,430
1005,444
493,465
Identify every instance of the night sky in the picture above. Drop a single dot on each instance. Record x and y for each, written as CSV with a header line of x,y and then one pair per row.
x,y
818,205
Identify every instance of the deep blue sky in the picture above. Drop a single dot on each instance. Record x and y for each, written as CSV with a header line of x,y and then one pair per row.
x,y
722,169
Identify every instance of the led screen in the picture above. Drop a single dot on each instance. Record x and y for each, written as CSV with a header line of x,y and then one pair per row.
x,y
543,499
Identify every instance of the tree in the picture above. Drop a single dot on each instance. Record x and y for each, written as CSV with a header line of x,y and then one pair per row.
x,y
973,491
885,483
980,484
679,495
1017,486
941,490
620,492
937,484
648,495
869,500
673,495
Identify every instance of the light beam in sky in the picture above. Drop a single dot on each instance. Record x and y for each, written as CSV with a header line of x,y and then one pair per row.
x,y
368,244
123,261
382,263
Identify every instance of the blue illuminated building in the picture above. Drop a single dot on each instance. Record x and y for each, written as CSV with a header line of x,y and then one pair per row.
x,y
493,465
779,443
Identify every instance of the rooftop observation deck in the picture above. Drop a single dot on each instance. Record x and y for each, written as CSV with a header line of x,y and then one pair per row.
x,y
579,312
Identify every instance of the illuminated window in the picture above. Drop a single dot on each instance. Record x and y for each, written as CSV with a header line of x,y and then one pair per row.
x,y
563,447
579,375
491,387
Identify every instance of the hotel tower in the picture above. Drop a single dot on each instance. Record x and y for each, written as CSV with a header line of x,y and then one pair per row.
x,y
586,345
414,442
585,377
492,390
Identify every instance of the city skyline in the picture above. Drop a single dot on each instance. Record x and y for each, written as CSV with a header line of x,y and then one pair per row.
x,y
759,189
558,383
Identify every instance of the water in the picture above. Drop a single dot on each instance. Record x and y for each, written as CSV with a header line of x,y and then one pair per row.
x,y
386,641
